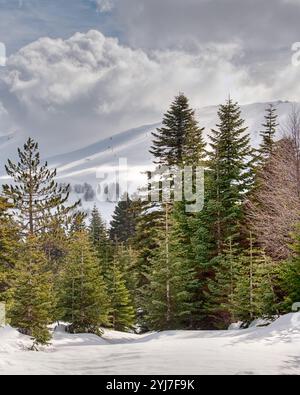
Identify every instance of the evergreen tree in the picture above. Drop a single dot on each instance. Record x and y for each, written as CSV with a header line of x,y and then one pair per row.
x,y
78,223
54,243
255,285
167,296
180,140
127,263
268,294
290,274
35,196
269,132
149,223
229,179
84,298
33,302
178,143
8,249
244,286
221,297
231,173
100,239
123,224
122,314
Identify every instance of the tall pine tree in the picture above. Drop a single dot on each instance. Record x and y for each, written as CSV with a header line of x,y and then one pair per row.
x,y
122,313
83,300
33,300
180,140
124,221
229,179
231,172
100,239
168,294
9,239
36,197
268,133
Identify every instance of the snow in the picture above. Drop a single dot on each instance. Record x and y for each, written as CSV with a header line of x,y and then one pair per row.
x,y
83,165
261,322
236,326
269,350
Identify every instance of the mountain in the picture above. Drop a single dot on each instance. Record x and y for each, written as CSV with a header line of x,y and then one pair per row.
x,y
92,166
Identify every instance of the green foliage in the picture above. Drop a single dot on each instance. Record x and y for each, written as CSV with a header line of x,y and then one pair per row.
x,y
269,133
100,239
255,292
9,239
172,268
168,294
229,178
84,300
123,224
231,172
33,301
127,263
290,275
36,198
180,140
244,286
122,313
221,288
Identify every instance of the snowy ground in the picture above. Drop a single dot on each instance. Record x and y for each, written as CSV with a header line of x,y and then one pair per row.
x,y
271,350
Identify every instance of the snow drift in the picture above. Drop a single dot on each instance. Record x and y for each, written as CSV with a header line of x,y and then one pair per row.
x,y
269,350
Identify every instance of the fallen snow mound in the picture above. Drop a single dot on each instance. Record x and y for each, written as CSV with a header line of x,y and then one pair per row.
x,y
268,350
11,340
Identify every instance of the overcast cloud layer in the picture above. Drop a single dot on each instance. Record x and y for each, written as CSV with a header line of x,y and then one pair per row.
x,y
81,70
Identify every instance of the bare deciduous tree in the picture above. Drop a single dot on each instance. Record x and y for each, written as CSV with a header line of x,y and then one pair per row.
x,y
292,130
274,208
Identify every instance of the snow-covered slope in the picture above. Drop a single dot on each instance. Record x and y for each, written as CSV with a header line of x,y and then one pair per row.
x,y
83,165
272,350
134,144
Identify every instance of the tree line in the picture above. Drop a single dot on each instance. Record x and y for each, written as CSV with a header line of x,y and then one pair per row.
x,y
158,267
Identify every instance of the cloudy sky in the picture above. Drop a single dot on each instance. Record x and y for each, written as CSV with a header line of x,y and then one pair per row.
x,y
80,70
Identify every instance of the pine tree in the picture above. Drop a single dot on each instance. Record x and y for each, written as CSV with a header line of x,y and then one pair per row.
x,y
127,263
84,298
33,302
9,239
77,223
180,140
231,172
268,295
269,132
100,239
221,298
289,274
177,144
36,197
122,314
229,179
255,285
123,224
149,223
244,286
167,296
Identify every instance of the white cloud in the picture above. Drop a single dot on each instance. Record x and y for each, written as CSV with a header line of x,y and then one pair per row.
x,y
90,86
74,92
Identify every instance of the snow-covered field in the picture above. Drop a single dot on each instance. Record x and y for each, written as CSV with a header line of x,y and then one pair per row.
x,y
270,350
